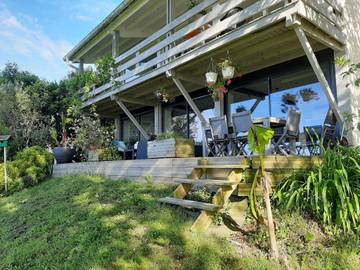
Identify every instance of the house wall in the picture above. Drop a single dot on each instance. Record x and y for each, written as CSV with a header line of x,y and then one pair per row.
x,y
349,97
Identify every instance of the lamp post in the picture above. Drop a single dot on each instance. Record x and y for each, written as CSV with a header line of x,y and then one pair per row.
x,y
4,143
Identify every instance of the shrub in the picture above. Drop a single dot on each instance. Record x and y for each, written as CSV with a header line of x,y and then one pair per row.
x,y
330,191
29,167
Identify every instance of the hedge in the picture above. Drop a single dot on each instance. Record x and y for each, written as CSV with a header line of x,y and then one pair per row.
x,y
28,168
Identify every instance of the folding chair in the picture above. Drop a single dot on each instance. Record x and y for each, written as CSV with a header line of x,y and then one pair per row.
x,y
242,122
219,130
286,144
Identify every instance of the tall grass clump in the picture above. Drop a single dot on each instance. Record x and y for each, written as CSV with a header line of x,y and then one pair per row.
x,y
330,191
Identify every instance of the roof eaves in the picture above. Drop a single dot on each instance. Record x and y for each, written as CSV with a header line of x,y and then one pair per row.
x,y
116,12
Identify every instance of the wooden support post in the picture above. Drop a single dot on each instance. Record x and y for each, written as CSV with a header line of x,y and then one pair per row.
x,y
81,66
318,71
158,119
117,128
131,117
204,123
115,44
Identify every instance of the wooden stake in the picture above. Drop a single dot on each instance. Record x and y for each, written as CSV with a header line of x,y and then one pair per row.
x,y
5,172
271,227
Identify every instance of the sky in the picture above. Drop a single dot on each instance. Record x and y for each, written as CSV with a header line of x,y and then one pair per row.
x,y
36,34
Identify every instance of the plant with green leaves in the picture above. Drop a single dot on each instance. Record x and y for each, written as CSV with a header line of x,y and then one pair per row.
x,y
330,191
259,137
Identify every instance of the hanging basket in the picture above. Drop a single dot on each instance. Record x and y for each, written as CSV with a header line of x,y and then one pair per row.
x,y
228,72
211,77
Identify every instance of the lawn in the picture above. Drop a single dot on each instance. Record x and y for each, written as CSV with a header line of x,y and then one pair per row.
x,y
88,222
85,222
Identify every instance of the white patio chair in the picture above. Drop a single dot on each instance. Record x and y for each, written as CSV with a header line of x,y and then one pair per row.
x,y
242,122
286,144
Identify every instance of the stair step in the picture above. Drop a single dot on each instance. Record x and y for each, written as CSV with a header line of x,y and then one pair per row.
x,y
190,204
207,182
225,166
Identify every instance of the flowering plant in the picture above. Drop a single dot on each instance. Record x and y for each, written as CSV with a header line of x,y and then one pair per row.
x,y
219,89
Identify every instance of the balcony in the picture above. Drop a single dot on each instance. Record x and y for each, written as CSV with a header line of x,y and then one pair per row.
x,y
258,35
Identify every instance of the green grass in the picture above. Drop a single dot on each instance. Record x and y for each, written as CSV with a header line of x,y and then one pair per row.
x,y
84,222
87,222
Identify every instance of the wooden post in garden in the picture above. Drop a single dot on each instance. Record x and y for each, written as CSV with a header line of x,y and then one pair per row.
x,y
5,172
4,142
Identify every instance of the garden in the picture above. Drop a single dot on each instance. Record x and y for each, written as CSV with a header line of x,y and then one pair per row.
x,y
89,222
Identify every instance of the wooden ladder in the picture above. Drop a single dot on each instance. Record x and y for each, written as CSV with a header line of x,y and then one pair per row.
x,y
225,187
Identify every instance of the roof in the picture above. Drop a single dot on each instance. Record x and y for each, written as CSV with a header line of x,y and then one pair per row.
x,y
115,13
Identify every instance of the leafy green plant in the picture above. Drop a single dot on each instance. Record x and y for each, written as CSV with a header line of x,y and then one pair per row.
x,y
167,135
29,167
330,191
201,195
149,179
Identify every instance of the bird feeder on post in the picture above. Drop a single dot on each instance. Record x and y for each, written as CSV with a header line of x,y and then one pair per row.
x,y
4,143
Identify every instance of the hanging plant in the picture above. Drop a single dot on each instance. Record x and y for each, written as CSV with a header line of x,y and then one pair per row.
x,y
227,68
211,76
218,90
163,96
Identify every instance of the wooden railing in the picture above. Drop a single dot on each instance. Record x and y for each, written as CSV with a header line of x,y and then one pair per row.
x,y
178,38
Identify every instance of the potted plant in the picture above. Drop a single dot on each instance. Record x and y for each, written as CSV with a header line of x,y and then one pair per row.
x,y
227,69
192,4
211,76
63,151
170,145
163,96
218,90
89,135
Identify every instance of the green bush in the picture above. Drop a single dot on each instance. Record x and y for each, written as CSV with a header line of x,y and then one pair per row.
x,y
330,191
29,167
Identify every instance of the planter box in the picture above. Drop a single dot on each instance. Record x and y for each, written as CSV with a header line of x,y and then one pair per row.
x,y
171,148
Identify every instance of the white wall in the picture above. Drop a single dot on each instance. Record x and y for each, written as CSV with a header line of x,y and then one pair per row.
x,y
349,97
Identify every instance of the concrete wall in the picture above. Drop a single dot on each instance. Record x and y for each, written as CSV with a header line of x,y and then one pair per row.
x,y
349,97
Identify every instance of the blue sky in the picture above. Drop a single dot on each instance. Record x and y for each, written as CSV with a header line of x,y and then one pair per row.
x,y
36,34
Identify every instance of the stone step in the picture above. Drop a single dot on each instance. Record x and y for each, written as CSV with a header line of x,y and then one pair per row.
x,y
207,182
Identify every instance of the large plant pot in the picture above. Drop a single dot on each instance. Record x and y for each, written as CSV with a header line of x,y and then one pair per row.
x,y
171,148
228,72
63,154
211,77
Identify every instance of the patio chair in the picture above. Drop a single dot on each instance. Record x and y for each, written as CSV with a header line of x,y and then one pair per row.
x,y
328,135
220,136
286,144
210,143
242,122
127,153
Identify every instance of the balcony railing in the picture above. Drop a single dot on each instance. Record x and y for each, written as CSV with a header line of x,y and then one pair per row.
x,y
207,22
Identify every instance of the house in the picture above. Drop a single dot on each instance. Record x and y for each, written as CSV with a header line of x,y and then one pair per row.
x,y
282,48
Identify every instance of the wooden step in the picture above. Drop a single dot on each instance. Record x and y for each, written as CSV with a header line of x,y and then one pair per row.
x,y
225,166
190,204
245,188
207,182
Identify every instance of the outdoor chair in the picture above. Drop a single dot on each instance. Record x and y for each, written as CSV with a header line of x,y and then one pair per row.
x,y
127,153
141,151
286,144
220,135
210,143
242,122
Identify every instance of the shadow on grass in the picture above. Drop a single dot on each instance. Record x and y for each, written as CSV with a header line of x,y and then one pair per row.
x,y
86,222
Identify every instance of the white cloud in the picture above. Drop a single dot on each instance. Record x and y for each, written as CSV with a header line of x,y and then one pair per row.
x,y
92,10
21,35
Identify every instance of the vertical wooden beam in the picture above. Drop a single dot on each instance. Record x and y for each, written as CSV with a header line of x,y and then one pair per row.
x,y
131,117
117,128
158,119
318,71
115,43
81,66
